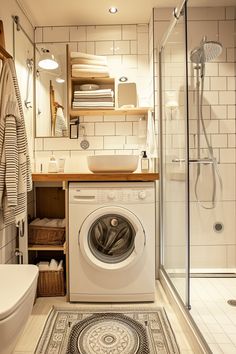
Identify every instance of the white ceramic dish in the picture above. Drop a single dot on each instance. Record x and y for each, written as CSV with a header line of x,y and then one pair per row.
x,y
89,87
112,163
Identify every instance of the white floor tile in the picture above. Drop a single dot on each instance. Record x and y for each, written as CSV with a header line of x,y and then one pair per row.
x,y
215,318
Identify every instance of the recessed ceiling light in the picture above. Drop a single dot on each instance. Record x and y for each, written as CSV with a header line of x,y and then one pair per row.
x,y
113,10
123,79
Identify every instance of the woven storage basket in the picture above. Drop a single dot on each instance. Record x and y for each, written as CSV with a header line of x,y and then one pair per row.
x,y
51,283
42,235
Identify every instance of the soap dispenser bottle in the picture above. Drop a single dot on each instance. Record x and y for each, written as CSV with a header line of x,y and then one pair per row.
x,y
144,162
53,165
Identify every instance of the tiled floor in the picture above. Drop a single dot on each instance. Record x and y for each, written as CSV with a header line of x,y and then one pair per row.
x,y
214,317
30,336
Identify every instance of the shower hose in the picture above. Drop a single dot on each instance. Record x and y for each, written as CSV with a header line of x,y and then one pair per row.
x,y
214,166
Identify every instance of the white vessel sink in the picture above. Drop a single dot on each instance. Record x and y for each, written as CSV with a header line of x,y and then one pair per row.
x,y
112,163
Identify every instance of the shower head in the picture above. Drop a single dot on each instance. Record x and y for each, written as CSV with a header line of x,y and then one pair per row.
x,y
207,51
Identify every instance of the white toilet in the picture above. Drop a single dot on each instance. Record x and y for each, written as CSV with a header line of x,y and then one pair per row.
x,y
18,285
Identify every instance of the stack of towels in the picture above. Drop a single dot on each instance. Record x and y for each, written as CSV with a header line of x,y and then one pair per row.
x,y
52,265
93,99
49,222
88,65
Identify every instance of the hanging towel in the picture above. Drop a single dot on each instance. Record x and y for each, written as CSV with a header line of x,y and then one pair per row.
x,y
151,137
61,126
15,172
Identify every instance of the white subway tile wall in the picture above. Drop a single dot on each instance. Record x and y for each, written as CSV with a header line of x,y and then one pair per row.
x,y
220,95
123,44
130,50
111,134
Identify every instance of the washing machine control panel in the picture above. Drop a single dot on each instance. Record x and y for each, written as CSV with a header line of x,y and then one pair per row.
x,y
112,195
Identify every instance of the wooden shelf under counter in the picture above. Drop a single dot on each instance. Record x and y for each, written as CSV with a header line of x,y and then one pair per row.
x,y
46,248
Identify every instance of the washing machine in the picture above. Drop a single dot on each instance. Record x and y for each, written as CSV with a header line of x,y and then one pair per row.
x,y
112,241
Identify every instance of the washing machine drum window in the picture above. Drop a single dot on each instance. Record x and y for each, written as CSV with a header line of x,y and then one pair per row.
x,y
111,238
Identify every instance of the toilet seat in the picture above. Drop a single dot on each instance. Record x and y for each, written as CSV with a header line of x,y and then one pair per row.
x,y
16,282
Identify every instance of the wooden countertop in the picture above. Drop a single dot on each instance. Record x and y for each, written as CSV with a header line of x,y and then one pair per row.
x,y
95,177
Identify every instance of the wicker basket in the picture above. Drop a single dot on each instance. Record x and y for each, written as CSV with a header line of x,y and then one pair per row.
x,y
51,283
42,235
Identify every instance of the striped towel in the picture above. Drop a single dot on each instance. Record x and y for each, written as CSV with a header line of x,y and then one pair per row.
x,y
61,125
15,172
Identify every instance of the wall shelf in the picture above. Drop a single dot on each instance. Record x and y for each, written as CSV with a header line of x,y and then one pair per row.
x,y
104,83
101,112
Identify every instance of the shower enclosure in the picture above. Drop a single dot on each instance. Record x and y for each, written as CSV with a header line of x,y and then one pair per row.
x,y
197,149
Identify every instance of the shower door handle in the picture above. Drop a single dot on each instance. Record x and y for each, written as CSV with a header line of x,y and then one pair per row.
x,y
202,161
196,161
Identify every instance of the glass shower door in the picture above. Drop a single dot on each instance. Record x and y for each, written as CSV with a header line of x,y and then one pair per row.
x,y
174,164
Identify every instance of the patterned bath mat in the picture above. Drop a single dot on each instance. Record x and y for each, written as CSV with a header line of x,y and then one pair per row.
x,y
80,331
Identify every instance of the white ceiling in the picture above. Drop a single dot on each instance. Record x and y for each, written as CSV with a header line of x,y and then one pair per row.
x,y
81,12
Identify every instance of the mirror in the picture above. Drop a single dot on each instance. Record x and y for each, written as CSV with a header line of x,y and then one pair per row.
x,y
51,92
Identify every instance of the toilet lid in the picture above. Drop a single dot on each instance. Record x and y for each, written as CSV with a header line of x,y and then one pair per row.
x,y
16,282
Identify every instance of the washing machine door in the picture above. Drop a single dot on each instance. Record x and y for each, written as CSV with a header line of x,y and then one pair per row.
x,y
111,238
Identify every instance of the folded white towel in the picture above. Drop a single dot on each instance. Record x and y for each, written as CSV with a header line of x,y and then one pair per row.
x,y
95,69
40,222
61,222
52,223
105,92
93,104
43,266
90,67
88,56
89,73
86,61
34,221
93,99
50,266
151,137
49,222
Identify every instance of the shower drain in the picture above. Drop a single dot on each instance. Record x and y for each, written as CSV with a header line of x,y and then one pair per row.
x,y
232,302
218,227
